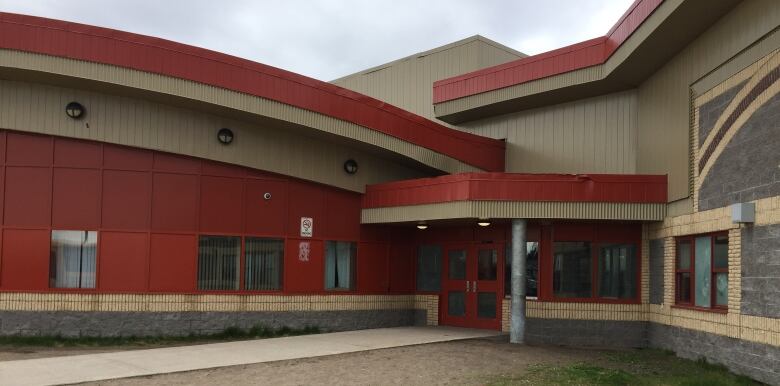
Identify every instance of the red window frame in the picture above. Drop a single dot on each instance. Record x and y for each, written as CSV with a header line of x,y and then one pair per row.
x,y
714,271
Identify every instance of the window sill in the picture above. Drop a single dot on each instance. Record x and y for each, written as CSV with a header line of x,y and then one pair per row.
x,y
702,309
592,300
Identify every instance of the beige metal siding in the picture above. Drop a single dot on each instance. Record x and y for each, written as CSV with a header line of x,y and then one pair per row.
x,y
595,135
187,93
408,83
664,99
135,122
515,209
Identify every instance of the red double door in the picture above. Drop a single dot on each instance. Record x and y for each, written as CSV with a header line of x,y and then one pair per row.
x,y
472,288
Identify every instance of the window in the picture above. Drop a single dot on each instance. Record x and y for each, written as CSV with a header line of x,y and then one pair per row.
x,y
263,263
72,259
701,271
572,263
218,262
429,268
339,265
531,269
617,271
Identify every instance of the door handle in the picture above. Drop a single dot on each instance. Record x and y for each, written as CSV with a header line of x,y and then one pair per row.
x,y
467,286
475,286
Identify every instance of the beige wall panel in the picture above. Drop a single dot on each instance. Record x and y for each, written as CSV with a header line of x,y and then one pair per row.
x,y
135,122
408,83
595,135
180,92
664,97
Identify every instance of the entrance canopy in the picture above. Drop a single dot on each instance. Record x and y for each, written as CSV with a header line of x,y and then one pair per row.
x,y
509,195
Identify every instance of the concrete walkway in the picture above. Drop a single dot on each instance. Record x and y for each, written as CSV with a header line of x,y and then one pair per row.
x,y
133,363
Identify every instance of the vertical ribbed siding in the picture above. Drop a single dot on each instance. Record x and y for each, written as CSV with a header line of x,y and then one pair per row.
x,y
594,135
516,209
146,124
142,123
408,83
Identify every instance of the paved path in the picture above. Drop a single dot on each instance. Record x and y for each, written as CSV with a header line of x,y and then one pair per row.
x,y
95,367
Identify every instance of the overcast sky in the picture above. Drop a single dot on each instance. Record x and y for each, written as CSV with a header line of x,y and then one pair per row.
x,y
327,39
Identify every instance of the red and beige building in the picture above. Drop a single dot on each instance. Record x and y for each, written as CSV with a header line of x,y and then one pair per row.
x,y
150,187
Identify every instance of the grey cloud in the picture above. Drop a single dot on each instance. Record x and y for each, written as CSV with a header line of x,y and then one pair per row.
x,y
326,39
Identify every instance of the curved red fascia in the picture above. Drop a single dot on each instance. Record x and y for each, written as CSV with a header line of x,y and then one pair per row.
x,y
619,188
574,57
154,55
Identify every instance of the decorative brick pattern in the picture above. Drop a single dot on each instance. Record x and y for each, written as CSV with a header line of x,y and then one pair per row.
x,y
710,111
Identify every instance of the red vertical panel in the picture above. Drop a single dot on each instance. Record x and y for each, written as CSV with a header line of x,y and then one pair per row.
x,y
25,263
305,200
76,200
175,163
342,215
304,273
29,150
3,135
173,263
27,197
372,270
175,202
221,208
76,153
401,266
266,217
125,158
123,261
127,199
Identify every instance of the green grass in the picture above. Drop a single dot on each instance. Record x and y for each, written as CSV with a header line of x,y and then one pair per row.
x,y
635,367
231,333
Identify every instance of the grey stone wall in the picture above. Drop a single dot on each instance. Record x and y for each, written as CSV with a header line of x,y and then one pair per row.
x,y
72,323
712,110
656,271
761,270
747,169
594,333
758,361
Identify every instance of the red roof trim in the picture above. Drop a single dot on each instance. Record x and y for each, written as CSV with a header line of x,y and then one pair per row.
x,y
617,188
150,54
574,57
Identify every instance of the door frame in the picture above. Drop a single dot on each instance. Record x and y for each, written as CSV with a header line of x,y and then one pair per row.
x,y
470,319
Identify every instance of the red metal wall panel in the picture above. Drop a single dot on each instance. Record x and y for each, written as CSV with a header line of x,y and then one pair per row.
x,y
25,260
126,158
266,216
372,268
518,187
127,199
305,200
27,197
101,45
221,205
175,202
76,199
77,154
342,215
173,263
124,265
401,266
304,273
29,150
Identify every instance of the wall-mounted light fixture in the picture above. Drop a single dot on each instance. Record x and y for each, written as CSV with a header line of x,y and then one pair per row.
x,y
483,222
74,110
422,225
350,166
225,136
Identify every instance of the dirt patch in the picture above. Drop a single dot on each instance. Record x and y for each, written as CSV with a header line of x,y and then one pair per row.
x,y
452,363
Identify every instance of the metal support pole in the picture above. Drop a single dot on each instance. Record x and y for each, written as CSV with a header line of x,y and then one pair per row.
x,y
517,325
